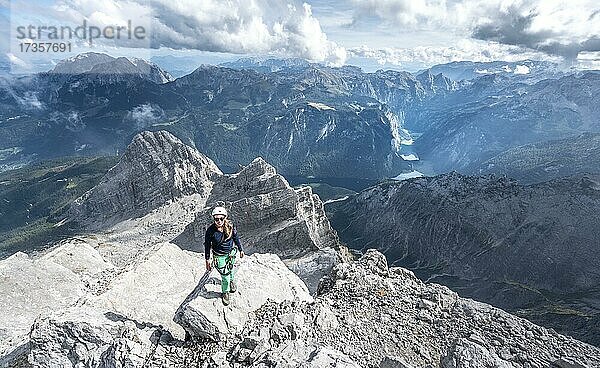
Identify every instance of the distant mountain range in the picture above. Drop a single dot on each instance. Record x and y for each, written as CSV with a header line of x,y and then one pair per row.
x,y
305,118
130,289
467,70
317,121
269,65
494,113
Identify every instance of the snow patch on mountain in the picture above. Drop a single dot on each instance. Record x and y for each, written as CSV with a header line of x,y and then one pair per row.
x,y
327,128
336,200
521,69
320,106
408,175
410,157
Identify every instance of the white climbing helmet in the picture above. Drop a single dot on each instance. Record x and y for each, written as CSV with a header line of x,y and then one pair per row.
x,y
219,211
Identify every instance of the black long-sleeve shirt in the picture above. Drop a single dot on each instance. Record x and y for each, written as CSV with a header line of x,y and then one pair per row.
x,y
213,240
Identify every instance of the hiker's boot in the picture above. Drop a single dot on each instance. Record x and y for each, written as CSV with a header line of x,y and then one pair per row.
x,y
232,286
225,298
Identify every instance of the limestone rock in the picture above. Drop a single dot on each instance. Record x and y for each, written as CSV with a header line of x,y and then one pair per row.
x,y
153,290
156,168
324,357
81,258
380,314
273,217
259,277
31,287
313,266
85,337
467,354
394,362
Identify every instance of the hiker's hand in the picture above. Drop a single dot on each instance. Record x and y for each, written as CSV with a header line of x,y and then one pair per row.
x,y
241,254
207,265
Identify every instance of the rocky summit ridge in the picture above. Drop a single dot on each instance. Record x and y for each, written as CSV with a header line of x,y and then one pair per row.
x,y
131,289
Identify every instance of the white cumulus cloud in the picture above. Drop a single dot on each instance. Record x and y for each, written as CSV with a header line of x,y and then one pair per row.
x,y
556,27
286,28
465,49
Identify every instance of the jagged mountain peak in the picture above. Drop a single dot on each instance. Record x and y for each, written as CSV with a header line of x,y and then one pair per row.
x,y
257,168
163,147
436,82
257,178
156,168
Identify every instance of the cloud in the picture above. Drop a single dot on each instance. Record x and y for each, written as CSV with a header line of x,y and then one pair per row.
x,y
552,26
145,115
415,14
588,60
29,101
285,28
17,62
465,49
557,28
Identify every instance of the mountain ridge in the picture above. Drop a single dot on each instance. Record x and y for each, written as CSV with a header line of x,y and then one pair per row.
x,y
122,284
490,237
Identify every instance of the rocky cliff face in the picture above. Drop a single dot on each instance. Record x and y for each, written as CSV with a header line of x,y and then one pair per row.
x,y
539,162
521,247
272,217
156,168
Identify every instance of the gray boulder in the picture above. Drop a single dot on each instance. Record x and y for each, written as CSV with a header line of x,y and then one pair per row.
x,y
259,277
31,287
85,337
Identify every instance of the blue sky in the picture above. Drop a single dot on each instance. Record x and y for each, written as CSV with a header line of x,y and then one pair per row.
x,y
373,34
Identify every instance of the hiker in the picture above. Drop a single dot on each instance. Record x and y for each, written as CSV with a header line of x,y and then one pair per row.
x,y
220,237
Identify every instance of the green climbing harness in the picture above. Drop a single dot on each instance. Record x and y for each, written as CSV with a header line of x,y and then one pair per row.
x,y
225,263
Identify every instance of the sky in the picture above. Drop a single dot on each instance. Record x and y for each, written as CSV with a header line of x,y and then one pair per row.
x,y
372,34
